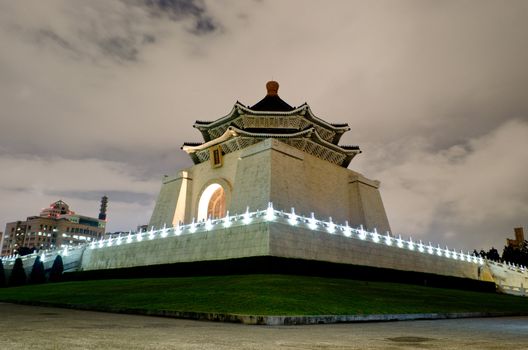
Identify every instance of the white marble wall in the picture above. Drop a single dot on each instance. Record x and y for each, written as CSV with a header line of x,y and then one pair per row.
x,y
272,171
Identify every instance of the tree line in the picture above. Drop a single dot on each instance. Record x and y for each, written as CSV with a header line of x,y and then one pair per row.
x,y
515,255
38,274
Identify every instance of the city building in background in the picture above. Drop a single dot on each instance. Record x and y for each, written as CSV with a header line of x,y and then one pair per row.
x,y
56,226
104,206
519,238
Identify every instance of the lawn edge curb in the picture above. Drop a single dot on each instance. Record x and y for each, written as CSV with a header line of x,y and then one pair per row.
x,y
269,320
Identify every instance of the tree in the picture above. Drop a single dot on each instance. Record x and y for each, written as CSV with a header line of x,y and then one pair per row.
x,y
516,255
18,275
56,270
524,254
37,272
493,254
2,275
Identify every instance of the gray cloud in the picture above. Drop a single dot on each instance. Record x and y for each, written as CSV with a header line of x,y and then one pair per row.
x,y
179,9
100,31
102,94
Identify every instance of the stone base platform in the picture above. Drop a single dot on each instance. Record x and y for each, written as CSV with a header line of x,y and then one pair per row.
x,y
276,242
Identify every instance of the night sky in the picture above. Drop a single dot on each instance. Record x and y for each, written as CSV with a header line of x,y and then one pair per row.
x,y
96,97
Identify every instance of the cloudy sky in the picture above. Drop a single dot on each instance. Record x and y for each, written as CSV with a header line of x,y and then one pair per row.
x,y
96,97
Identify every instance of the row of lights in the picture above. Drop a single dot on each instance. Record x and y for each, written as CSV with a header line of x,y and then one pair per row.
x,y
270,214
44,254
362,234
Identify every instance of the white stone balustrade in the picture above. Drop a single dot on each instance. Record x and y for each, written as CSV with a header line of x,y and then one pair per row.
x,y
273,215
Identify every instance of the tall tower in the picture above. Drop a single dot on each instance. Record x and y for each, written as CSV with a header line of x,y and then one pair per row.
x,y
104,205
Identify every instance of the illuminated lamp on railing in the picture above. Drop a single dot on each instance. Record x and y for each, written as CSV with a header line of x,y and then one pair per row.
x,y
109,244
474,258
362,234
331,226
375,236
347,230
447,253
293,217
270,213
192,229
399,242
129,237
118,240
410,244
388,239
92,245
312,223
101,243
438,250
421,247
139,236
164,231
247,217
454,254
481,261
208,224
151,233
177,229
227,220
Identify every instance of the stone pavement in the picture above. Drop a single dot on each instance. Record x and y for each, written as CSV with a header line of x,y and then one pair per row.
x,y
30,327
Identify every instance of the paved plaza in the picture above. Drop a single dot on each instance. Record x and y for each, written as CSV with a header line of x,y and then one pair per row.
x,y
28,327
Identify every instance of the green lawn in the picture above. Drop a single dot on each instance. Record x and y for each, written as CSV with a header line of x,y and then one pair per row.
x,y
265,295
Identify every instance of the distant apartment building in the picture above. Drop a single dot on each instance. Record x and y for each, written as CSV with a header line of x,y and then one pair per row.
x,y
55,227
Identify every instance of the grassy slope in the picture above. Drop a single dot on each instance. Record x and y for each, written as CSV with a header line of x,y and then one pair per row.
x,y
266,295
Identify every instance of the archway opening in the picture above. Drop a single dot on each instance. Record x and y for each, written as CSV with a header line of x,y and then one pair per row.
x,y
212,203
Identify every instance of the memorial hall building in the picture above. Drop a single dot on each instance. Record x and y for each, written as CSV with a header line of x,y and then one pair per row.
x,y
270,152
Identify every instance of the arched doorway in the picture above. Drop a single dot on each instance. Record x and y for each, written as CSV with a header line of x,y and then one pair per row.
x,y
212,203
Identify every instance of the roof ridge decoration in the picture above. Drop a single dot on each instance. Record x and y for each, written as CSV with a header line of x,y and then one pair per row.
x,y
295,126
340,155
272,101
234,132
238,108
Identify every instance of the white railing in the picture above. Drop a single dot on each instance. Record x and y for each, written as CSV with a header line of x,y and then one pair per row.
x,y
290,218
45,255
293,219
508,266
514,290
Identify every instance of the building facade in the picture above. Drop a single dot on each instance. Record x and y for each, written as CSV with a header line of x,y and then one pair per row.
x,y
518,241
54,227
270,152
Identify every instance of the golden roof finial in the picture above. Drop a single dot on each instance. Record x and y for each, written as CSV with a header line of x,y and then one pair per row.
x,y
273,88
